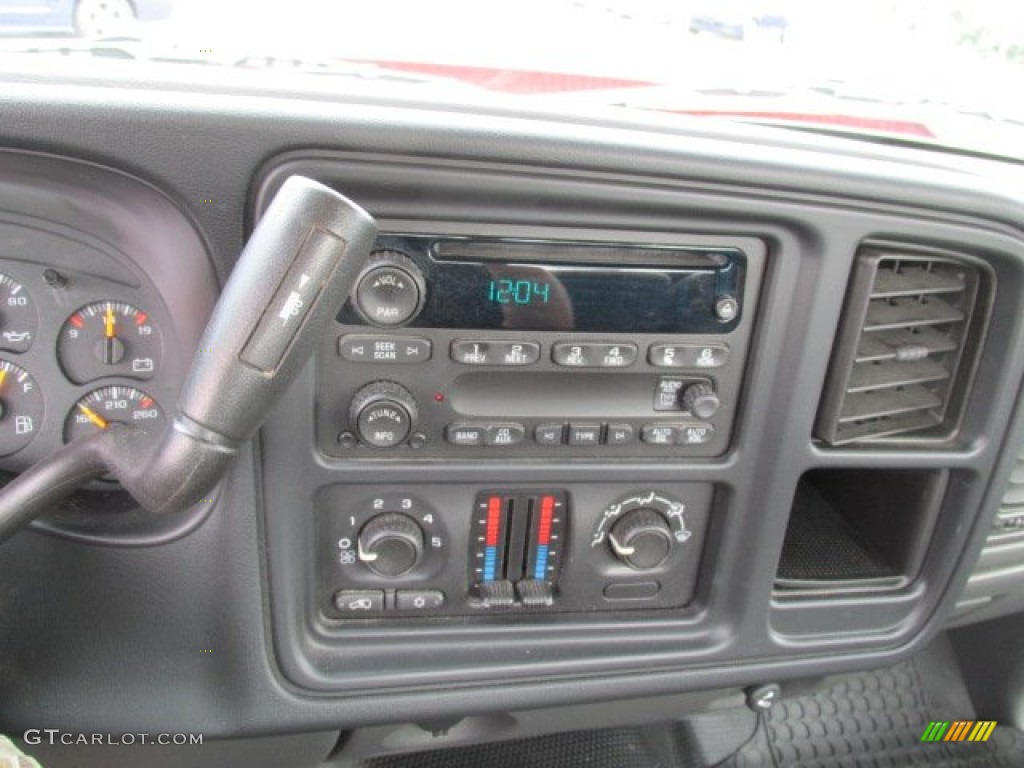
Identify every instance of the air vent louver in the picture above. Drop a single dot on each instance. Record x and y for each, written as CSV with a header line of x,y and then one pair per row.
x,y
899,361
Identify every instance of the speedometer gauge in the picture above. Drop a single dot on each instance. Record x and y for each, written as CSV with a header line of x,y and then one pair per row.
x,y
109,338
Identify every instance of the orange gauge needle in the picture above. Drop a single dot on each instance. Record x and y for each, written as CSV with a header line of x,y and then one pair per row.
x,y
3,377
94,417
108,321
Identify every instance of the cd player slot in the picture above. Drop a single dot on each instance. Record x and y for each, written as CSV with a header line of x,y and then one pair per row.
x,y
515,395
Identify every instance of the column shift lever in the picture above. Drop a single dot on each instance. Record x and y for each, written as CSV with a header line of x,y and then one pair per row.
x,y
292,277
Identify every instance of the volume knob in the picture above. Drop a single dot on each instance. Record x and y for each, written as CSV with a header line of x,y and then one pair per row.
x,y
390,291
383,414
642,539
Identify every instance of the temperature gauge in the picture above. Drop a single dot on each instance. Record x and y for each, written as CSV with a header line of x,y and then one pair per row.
x,y
109,338
17,316
115,404
21,408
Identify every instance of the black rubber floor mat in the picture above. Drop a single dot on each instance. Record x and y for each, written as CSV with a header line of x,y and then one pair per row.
x,y
874,720
609,748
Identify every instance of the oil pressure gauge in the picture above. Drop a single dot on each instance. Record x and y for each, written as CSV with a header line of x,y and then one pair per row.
x,y
109,405
21,408
109,338
17,316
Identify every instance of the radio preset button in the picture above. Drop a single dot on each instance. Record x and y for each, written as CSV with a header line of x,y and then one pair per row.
x,y
688,355
384,349
659,434
584,434
503,434
549,434
501,353
465,434
589,354
696,434
619,434
677,434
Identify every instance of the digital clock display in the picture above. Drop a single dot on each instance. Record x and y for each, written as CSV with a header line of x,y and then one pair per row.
x,y
574,287
523,292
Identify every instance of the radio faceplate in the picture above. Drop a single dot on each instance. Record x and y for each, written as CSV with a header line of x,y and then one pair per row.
x,y
483,348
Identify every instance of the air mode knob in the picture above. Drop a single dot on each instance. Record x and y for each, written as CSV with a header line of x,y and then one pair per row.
x,y
390,544
383,414
642,539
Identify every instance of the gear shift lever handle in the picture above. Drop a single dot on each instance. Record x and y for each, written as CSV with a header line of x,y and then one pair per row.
x,y
292,277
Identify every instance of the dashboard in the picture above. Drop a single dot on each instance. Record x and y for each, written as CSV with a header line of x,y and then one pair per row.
x,y
613,410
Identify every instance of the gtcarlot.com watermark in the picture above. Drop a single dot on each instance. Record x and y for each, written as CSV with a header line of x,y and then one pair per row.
x,y
55,736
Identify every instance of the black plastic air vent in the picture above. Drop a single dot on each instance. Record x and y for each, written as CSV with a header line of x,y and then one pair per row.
x,y
905,348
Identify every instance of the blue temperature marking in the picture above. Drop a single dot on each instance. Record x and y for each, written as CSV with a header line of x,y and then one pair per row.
x,y
490,563
540,567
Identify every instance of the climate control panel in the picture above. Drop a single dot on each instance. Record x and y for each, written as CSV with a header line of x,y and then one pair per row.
x,y
463,550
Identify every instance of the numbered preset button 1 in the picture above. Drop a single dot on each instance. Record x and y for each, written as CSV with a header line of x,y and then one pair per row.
x,y
490,352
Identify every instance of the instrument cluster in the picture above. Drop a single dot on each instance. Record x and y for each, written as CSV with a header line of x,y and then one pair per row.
x,y
78,353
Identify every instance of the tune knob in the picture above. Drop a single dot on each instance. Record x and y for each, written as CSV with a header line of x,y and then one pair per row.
x,y
390,544
700,400
383,414
642,539
390,291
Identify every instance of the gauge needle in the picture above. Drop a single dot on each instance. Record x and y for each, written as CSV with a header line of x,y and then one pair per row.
x,y
94,417
108,322
3,377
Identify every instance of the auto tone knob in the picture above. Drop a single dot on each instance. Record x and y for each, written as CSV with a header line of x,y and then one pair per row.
x,y
390,544
642,539
700,400
383,414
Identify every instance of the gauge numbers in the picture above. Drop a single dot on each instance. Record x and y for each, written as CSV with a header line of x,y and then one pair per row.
x,y
17,316
115,404
109,338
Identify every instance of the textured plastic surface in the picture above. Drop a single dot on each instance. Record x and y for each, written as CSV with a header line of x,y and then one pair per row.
x,y
813,199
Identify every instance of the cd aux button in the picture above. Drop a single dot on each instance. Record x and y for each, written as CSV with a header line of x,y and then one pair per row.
x,y
504,434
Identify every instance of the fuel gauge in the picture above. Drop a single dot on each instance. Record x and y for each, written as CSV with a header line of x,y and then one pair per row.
x,y
21,408
109,338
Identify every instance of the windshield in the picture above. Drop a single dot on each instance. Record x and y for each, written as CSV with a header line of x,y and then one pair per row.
x,y
941,72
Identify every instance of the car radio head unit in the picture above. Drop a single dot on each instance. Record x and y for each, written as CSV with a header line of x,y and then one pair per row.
x,y
547,286
532,348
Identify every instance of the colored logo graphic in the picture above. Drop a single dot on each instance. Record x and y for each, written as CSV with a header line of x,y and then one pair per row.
x,y
958,730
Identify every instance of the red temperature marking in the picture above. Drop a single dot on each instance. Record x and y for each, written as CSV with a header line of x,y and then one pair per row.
x,y
493,520
547,509
146,402
77,321
141,318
